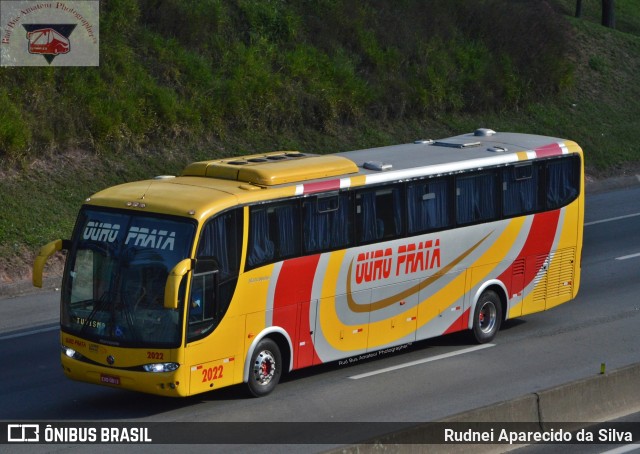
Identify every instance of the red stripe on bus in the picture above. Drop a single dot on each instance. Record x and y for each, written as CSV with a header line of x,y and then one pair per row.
x,y
553,149
461,323
539,242
320,186
292,302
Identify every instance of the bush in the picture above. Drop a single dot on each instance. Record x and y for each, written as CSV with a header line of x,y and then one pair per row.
x,y
14,129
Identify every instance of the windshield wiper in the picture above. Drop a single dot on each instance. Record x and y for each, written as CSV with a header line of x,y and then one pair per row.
x,y
98,306
128,316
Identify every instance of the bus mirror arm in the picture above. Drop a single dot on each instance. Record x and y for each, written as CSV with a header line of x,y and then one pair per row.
x,y
46,251
173,283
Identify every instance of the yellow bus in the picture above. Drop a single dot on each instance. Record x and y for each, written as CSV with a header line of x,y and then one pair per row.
x,y
242,269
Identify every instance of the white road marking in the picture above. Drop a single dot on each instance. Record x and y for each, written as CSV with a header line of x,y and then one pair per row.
x,y
622,449
612,219
422,361
29,333
625,257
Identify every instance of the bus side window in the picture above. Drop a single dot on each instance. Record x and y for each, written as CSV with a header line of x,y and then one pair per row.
x,y
261,246
563,183
213,286
202,302
379,214
274,233
428,205
520,189
286,221
222,239
327,221
475,198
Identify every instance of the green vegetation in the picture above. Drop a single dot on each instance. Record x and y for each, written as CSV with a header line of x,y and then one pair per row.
x,y
181,81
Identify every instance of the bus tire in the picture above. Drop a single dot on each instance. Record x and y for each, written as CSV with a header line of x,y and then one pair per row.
x,y
487,317
266,368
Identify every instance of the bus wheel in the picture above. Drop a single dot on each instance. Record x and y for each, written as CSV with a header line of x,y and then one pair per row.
x,y
487,317
266,368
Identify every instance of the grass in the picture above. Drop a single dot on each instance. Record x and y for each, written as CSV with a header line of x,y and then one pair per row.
x,y
183,81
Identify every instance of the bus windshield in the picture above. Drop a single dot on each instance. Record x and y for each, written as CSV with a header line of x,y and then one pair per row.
x,y
118,266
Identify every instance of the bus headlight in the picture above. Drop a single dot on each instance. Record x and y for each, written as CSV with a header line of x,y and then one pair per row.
x,y
71,353
161,367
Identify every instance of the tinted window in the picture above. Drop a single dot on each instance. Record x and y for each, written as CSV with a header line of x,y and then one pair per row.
x,y
274,233
216,275
379,214
428,205
222,240
475,201
521,189
327,221
563,181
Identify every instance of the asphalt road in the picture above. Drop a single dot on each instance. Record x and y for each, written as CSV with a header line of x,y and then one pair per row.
x,y
424,382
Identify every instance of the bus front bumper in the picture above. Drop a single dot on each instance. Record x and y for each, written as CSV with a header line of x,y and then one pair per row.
x,y
161,383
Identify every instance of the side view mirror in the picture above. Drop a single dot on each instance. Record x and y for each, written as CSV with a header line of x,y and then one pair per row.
x,y
174,280
46,251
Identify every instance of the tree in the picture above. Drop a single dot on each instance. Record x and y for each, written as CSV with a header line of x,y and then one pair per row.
x,y
608,13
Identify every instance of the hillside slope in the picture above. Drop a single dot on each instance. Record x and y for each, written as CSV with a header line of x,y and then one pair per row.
x,y
181,81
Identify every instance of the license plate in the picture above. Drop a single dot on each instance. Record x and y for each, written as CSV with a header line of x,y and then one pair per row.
x,y
109,379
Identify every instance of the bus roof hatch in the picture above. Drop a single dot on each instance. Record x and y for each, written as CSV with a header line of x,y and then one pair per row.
x,y
270,169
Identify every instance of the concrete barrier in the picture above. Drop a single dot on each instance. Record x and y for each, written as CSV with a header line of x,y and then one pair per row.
x,y
520,409
583,402
600,398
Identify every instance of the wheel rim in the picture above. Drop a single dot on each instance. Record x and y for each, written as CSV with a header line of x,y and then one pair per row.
x,y
264,368
487,317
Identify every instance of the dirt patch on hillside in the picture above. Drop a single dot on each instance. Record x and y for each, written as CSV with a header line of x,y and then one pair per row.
x,y
16,272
